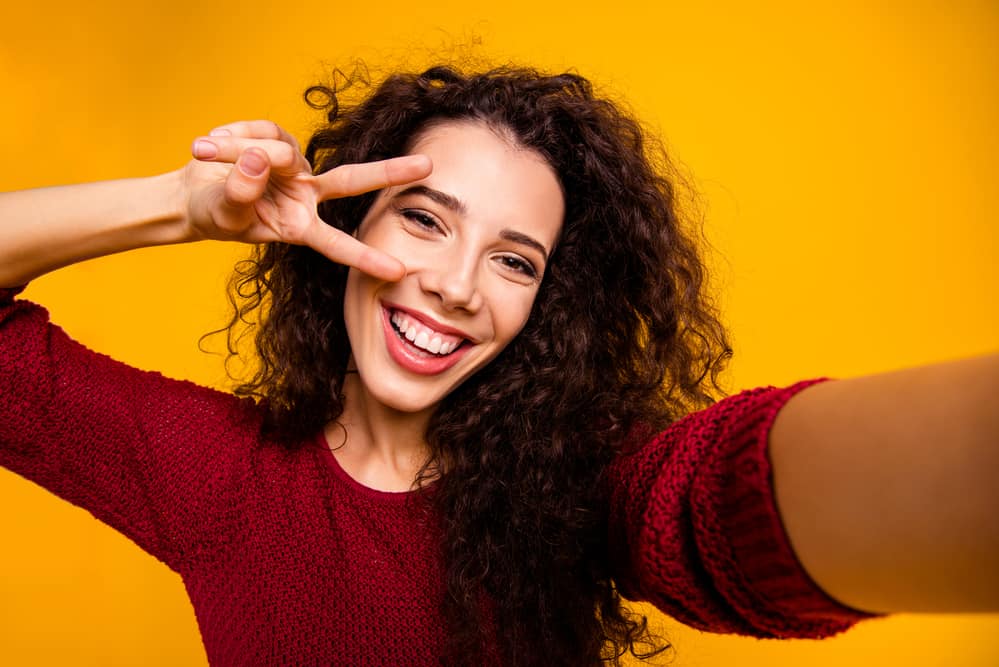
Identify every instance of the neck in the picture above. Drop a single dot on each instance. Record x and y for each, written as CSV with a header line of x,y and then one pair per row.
x,y
378,446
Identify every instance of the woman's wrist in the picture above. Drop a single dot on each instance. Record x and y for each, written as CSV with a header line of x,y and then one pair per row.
x,y
48,228
166,221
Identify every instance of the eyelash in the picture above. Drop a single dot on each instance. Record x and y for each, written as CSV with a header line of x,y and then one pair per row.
x,y
519,265
429,223
420,218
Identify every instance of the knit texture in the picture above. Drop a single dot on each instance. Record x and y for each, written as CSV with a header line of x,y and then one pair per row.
x,y
695,530
289,561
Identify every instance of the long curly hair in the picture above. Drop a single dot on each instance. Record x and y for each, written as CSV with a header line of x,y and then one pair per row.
x,y
622,336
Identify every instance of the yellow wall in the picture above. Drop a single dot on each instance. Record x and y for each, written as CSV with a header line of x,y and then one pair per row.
x,y
846,157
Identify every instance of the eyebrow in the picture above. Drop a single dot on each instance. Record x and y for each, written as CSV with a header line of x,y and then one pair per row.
x,y
454,204
444,199
524,239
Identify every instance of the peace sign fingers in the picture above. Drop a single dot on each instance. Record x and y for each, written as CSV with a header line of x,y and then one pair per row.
x,y
355,179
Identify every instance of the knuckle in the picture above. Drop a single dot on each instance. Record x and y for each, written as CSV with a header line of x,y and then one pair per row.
x,y
332,243
285,156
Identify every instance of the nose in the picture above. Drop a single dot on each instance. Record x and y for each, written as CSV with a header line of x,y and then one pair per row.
x,y
454,281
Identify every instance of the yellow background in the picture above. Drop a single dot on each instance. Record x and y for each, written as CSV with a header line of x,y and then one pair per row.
x,y
845,156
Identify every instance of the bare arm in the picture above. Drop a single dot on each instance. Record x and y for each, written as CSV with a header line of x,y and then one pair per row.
x,y
45,229
888,486
250,183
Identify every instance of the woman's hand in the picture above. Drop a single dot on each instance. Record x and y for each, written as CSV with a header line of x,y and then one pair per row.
x,y
250,182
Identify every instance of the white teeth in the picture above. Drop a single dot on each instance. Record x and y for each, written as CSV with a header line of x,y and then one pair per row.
x,y
416,333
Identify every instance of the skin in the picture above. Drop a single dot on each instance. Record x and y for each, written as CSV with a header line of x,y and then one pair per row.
x,y
474,261
249,183
885,484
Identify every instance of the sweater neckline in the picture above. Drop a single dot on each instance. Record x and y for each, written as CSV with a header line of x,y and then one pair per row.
x,y
361,489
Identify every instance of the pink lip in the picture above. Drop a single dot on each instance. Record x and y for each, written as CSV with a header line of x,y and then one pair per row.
x,y
409,357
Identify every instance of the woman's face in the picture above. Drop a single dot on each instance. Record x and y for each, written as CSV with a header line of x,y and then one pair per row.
x,y
475,236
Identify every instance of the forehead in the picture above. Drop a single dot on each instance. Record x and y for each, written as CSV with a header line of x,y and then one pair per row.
x,y
498,181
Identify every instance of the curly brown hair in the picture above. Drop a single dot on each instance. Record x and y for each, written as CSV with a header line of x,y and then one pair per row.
x,y
622,335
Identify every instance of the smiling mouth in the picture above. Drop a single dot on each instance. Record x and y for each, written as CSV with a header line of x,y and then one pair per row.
x,y
422,337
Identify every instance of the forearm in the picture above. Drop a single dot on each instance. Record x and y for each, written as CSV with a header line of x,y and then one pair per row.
x,y
44,229
887,486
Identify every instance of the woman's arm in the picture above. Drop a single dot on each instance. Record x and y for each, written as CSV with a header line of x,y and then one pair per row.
x,y
888,487
693,527
249,182
45,229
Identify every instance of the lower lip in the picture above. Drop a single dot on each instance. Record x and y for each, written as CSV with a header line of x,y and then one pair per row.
x,y
410,358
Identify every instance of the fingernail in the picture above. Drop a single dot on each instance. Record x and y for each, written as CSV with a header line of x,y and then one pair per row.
x,y
252,163
204,150
220,132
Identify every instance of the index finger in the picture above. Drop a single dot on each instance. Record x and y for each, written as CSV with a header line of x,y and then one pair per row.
x,y
343,248
355,179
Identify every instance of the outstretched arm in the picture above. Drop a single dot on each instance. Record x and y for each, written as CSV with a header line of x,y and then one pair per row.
x,y
888,487
249,183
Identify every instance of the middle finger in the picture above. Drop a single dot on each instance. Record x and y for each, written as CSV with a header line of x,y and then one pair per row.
x,y
355,179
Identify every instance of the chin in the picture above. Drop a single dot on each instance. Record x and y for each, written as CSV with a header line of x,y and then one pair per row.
x,y
400,394
407,405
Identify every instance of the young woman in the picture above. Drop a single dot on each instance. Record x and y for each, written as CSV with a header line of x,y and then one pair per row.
x,y
467,445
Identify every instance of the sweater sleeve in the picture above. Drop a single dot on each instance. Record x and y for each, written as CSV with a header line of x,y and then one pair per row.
x,y
139,451
695,528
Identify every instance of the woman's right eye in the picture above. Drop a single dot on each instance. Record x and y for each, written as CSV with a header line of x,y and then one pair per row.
x,y
422,219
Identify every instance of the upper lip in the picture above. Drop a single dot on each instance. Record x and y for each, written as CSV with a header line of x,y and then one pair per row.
x,y
429,321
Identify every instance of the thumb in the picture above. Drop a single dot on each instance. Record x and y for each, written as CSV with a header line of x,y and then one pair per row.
x,y
243,187
248,180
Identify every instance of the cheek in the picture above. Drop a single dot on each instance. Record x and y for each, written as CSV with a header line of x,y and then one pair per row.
x,y
350,299
359,286
511,314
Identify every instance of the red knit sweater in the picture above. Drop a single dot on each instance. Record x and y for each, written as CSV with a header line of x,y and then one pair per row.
x,y
287,560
